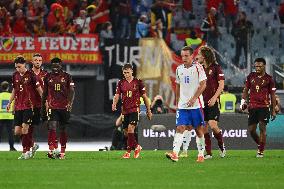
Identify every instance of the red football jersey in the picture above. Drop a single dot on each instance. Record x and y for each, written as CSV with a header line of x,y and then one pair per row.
x,y
35,97
214,74
58,88
130,94
22,85
260,88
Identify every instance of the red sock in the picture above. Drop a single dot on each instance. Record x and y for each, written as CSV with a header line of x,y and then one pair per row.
x,y
63,141
219,138
51,139
30,134
56,144
25,143
255,137
207,143
261,146
131,138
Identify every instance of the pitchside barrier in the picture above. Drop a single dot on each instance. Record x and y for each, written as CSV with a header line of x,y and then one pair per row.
x,y
234,128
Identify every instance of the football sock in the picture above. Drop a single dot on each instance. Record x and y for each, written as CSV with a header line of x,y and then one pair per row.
x,y
30,135
261,146
200,143
56,144
186,139
207,144
177,142
51,138
255,137
219,138
63,141
25,143
131,142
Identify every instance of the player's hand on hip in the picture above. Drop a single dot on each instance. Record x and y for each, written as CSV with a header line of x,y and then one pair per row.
x,y
113,107
149,114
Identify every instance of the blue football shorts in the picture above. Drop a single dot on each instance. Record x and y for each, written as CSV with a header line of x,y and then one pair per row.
x,y
187,117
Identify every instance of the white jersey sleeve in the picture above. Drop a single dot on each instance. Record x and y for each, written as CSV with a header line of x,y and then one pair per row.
x,y
201,72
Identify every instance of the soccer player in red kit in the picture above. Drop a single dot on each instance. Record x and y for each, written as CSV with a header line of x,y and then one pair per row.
x,y
131,89
260,90
59,94
214,87
36,99
23,82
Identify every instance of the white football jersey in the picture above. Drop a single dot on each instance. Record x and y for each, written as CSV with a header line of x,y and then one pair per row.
x,y
189,79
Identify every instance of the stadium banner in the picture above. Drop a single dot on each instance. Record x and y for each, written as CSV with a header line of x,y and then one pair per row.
x,y
234,128
72,49
152,60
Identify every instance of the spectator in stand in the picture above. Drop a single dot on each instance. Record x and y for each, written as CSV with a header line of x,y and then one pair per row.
x,y
55,20
124,10
209,26
213,3
5,28
83,22
91,11
83,5
142,27
106,33
160,11
242,32
141,7
281,12
35,17
230,8
19,23
157,29
193,41
158,105
101,14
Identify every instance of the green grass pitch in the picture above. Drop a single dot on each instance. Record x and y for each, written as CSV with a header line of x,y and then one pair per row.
x,y
86,170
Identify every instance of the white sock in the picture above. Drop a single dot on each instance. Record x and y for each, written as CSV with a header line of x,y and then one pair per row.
x,y
186,140
177,142
200,143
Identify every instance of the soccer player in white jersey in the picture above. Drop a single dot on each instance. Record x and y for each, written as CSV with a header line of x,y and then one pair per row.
x,y
190,83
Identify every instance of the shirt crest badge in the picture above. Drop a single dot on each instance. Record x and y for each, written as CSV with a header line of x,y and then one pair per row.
x,y
210,72
62,80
